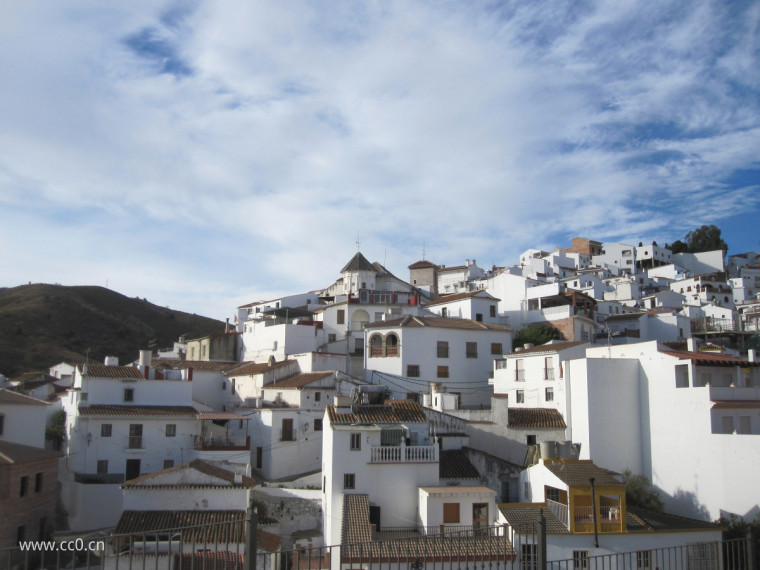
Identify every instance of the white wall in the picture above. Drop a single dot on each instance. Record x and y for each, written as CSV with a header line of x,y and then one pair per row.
x,y
25,424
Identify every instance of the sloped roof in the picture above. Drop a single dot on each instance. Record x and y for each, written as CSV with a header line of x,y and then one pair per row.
x,y
299,380
197,365
548,347
209,559
535,418
15,453
710,359
453,464
524,518
650,521
11,397
103,371
735,404
209,527
424,264
439,322
576,473
126,411
393,411
356,527
480,293
195,465
250,368
358,263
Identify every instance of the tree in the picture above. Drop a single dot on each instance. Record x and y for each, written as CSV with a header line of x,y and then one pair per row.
x,y
539,333
679,247
56,431
706,238
640,493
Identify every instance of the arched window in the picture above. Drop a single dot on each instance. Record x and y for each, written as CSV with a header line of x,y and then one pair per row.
x,y
391,345
375,346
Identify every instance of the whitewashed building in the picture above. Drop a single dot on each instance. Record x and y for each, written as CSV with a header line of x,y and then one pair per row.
x,y
22,418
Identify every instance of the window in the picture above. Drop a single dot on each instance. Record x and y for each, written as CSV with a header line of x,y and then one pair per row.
x,y
341,316
413,370
472,350
442,349
744,424
38,482
530,439
259,457
643,560
318,425
552,494
23,485
356,441
349,481
520,370
129,394
105,430
492,311
479,317
549,393
450,513
331,337
287,429
580,559
442,372
168,463
479,515
2,423
83,396
727,424
317,396
496,348
171,430
548,368
135,436
102,466
520,399
444,312
528,558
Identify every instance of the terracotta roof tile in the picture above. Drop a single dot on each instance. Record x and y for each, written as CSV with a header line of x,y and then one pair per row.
x,y
251,368
576,473
421,265
14,453
453,464
196,465
439,322
459,296
299,380
211,559
197,365
393,411
11,397
549,347
103,371
358,263
126,411
356,528
665,522
524,518
710,359
535,418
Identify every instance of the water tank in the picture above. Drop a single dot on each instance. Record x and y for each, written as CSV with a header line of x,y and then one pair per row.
x,y
548,449
528,345
145,358
566,450
111,361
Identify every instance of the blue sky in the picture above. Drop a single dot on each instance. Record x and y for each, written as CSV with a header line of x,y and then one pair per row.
x,y
207,154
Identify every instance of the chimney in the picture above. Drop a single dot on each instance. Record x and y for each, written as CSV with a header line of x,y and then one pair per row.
x,y
691,344
144,363
111,361
226,325
752,355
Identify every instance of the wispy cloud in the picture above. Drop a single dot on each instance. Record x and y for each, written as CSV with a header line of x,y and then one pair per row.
x,y
208,152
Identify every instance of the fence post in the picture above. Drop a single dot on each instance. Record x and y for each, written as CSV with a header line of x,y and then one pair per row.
x,y
541,541
751,552
251,534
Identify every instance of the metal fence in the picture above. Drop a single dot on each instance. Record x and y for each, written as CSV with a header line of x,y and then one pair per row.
x,y
224,546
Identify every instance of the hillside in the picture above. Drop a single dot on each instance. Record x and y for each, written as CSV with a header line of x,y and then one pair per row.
x,y
41,325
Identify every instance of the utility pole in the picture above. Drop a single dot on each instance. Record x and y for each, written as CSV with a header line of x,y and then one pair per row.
x,y
251,534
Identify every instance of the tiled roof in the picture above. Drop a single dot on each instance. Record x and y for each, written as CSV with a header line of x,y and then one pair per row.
x,y
126,411
459,296
421,265
299,380
14,453
251,368
29,375
393,411
356,527
209,527
710,359
535,418
549,347
357,544
196,465
625,317
220,416
11,397
576,473
648,521
735,404
439,322
358,263
103,371
453,464
196,365
524,518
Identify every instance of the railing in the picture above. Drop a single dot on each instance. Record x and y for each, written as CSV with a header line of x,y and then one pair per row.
x,y
391,351
583,515
375,351
135,442
548,373
445,530
609,514
520,375
710,324
560,511
222,443
403,454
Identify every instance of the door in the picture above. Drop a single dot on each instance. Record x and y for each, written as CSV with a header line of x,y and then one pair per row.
x,y
479,516
135,436
374,517
133,469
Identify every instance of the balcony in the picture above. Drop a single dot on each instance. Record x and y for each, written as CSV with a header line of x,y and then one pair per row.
x,y
404,454
135,442
608,520
448,530
222,443
370,297
560,511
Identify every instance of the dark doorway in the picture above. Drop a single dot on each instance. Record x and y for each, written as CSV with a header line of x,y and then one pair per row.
x,y
133,468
